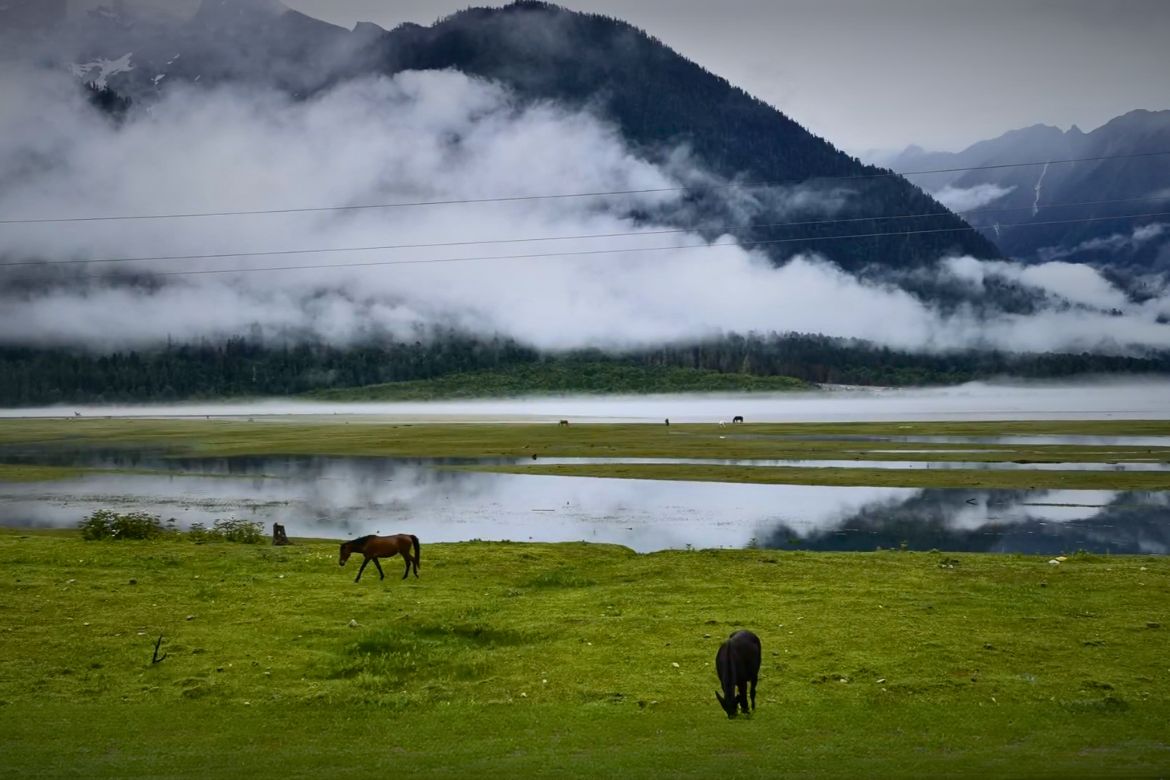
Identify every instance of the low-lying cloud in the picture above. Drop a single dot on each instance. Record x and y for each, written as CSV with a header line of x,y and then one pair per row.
x,y
1108,245
962,199
433,136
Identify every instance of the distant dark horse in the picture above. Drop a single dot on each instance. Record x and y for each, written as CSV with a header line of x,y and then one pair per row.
x,y
375,547
737,419
738,663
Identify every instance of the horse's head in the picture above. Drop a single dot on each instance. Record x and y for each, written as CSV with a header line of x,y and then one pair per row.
x,y
725,669
728,703
345,551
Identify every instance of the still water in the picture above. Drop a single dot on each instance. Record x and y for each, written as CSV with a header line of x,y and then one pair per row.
x,y
344,497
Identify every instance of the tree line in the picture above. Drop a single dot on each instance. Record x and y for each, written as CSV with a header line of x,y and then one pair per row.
x,y
243,367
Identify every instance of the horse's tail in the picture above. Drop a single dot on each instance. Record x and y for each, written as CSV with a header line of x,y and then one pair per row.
x,y
417,552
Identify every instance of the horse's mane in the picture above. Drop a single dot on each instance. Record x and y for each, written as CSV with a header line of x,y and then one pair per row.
x,y
361,539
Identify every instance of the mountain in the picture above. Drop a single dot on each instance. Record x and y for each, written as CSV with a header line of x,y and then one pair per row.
x,y
1029,210
658,100
90,304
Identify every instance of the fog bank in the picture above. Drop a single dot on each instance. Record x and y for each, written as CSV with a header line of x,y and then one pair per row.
x,y
548,272
1101,400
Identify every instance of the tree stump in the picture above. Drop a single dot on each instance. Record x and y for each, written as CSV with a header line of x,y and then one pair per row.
x,y
279,537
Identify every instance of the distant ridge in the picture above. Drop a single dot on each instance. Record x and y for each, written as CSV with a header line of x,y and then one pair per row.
x,y
1134,186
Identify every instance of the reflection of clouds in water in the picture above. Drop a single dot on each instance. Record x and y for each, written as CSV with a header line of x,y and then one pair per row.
x,y
1049,506
343,497
331,497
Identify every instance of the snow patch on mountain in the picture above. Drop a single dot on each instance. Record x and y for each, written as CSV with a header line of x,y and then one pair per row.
x,y
100,70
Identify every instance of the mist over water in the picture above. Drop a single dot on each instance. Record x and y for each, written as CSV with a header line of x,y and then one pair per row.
x,y
1097,399
397,272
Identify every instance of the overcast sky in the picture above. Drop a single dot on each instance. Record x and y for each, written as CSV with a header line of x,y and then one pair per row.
x,y
882,74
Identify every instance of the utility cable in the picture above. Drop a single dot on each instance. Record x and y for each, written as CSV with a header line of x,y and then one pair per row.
x,y
560,196
587,252
589,236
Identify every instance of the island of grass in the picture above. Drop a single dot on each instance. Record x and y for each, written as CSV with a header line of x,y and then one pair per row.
x,y
564,377
531,445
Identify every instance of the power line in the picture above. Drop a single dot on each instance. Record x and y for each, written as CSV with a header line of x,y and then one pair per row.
x,y
559,196
588,252
589,236
1020,164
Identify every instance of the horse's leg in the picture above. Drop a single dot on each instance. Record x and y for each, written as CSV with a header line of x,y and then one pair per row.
x,y
363,568
381,574
406,557
753,681
411,561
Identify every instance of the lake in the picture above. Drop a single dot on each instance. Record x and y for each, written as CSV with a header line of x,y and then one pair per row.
x,y
342,497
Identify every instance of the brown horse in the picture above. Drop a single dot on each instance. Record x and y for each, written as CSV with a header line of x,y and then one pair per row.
x,y
375,547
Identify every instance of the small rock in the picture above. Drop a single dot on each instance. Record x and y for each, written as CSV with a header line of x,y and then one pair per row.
x,y
523,695
353,623
1053,562
190,617
674,664
881,680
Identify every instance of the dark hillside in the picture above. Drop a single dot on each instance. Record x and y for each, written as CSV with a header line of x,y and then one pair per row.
x,y
659,99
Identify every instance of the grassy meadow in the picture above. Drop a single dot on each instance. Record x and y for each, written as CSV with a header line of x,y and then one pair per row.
x,y
565,660
524,660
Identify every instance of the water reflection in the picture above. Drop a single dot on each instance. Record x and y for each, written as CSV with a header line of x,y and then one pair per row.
x,y
342,497
1026,521
1053,439
858,463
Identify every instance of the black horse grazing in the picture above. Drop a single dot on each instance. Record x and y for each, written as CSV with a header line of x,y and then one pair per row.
x,y
375,547
737,419
738,663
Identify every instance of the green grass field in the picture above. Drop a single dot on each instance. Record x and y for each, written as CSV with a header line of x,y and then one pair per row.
x,y
560,660
574,660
